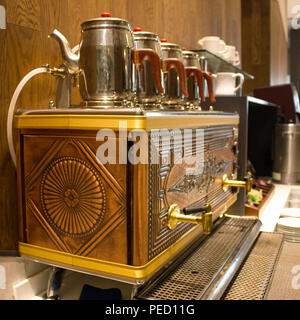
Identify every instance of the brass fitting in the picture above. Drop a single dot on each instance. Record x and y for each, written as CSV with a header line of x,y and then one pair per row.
x,y
57,72
174,217
247,183
61,71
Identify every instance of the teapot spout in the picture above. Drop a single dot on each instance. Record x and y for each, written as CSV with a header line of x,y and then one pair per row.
x,y
71,60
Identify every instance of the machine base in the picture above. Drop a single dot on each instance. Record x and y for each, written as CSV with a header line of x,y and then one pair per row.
x,y
208,270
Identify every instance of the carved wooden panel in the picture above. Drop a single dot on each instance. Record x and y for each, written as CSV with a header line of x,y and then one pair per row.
x,y
74,203
73,197
184,185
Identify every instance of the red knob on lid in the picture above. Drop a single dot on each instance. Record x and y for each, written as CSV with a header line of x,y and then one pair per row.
x,y
184,49
105,14
163,40
137,29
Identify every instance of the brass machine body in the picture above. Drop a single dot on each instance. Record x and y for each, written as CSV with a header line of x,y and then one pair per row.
x,y
146,245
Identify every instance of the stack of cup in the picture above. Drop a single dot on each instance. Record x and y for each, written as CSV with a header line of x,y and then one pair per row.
x,y
218,47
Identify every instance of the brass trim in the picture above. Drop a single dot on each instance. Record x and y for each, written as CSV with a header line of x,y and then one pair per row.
x,y
134,122
137,273
226,183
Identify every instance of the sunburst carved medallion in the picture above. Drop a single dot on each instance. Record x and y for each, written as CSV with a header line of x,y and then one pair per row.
x,y
73,197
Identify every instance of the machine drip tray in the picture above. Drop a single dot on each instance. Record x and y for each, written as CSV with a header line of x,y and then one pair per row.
x,y
254,279
209,269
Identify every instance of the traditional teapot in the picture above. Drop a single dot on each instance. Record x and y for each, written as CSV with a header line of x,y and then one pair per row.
x,y
104,62
195,80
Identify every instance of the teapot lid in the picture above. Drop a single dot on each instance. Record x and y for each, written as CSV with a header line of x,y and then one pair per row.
x,y
139,34
105,21
170,46
189,53
190,58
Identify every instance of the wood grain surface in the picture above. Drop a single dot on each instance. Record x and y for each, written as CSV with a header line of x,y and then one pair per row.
x,y
264,45
73,202
279,47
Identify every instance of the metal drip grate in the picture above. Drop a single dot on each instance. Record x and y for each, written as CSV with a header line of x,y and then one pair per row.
x,y
191,279
253,280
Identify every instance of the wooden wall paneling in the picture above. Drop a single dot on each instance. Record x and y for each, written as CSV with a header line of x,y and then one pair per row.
x,y
211,16
3,66
77,12
175,22
118,8
53,16
4,96
220,18
8,196
264,45
279,47
232,18
256,43
186,22
25,13
24,52
180,16
8,193
147,15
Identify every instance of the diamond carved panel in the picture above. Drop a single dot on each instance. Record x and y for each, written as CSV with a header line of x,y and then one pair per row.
x,y
73,197
74,203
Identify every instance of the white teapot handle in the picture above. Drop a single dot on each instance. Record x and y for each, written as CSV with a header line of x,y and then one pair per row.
x,y
242,79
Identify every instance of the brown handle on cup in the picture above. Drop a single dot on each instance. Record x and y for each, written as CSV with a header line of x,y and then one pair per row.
x,y
175,63
209,79
140,55
197,73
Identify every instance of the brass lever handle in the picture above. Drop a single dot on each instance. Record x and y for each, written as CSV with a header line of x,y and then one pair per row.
x,y
174,217
247,183
206,208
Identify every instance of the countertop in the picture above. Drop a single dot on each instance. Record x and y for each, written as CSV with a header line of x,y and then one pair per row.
x,y
270,212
